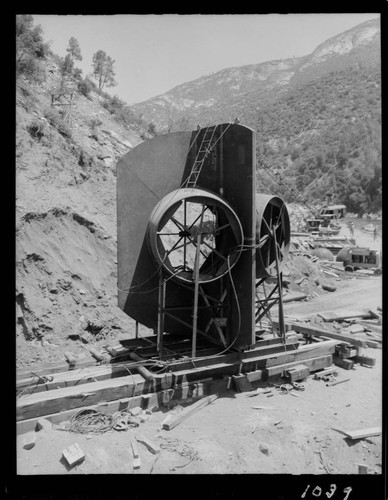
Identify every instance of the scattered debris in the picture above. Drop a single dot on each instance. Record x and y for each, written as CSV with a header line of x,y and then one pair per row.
x,y
328,371
263,408
73,455
356,329
70,358
264,449
135,411
337,382
29,440
89,420
242,383
44,424
97,355
150,445
258,391
285,388
136,458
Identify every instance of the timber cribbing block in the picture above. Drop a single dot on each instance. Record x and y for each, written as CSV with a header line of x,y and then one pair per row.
x,y
297,372
242,383
275,371
347,364
365,360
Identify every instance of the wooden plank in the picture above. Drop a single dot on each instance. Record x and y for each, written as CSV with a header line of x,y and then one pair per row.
x,y
373,344
173,422
247,365
77,377
290,297
375,314
301,354
336,382
309,330
324,373
373,327
262,347
363,433
50,368
338,315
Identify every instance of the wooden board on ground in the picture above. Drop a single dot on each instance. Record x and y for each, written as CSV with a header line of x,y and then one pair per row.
x,y
363,433
176,420
373,327
341,315
309,330
290,297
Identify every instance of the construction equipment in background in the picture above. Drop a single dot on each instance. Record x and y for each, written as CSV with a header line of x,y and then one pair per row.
x,y
363,258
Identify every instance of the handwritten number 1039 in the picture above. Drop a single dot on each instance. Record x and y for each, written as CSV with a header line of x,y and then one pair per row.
x,y
317,491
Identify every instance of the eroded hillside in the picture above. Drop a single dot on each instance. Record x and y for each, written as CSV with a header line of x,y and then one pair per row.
x,y
66,221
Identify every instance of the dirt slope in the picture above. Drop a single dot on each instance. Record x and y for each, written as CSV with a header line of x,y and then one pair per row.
x,y
66,223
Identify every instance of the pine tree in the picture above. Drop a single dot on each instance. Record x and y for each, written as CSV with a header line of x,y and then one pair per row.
x,y
103,70
74,49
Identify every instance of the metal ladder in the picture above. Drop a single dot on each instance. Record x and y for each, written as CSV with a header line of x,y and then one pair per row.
x,y
202,154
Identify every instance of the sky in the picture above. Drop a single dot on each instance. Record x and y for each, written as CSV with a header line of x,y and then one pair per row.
x,y
155,53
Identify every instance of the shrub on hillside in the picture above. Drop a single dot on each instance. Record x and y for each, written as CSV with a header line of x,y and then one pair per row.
x,y
36,129
85,86
54,118
113,104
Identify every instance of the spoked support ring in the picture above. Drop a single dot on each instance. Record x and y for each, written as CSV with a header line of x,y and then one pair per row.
x,y
189,216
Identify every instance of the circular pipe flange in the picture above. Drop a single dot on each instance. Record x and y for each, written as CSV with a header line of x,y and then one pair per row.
x,y
182,219
272,234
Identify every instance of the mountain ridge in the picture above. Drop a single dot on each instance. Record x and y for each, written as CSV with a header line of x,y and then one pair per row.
x,y
216,94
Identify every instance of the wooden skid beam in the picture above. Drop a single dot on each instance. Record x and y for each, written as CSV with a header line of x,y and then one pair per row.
x,y
53,401
309,330
44,403
338,316
77,377
186,392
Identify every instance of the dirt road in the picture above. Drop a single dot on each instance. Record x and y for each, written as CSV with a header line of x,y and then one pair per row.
x,y
352,294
